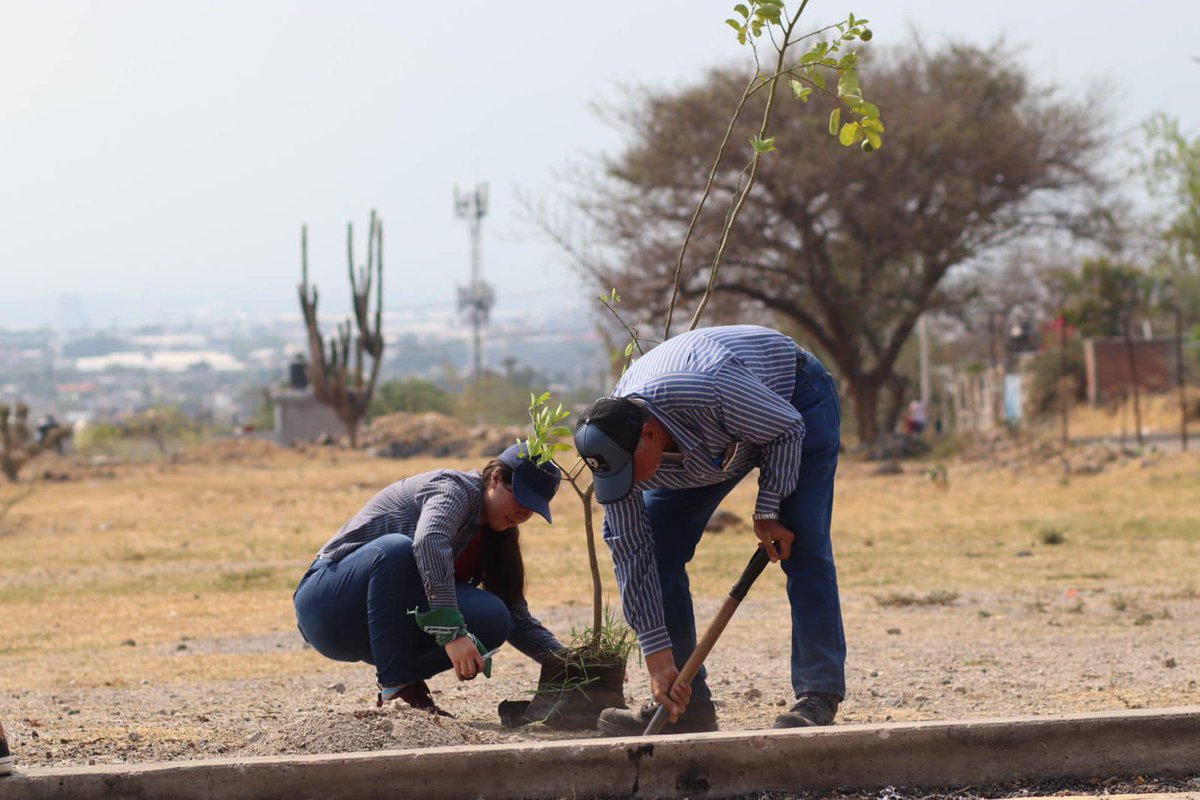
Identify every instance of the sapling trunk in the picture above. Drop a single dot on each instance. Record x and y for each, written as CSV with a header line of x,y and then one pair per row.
x,y
585,497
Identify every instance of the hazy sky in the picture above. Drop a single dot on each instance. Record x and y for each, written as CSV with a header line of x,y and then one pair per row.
x,y
157,158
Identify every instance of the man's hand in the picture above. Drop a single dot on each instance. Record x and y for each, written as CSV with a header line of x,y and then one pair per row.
x,y
464,655
771,532
661,666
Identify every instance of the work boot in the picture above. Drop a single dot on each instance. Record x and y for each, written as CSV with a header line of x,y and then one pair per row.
x,y
700,717
6,759
812,709
417,695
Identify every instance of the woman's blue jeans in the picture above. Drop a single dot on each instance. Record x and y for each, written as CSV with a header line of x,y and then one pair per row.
x,y
357,609
678,517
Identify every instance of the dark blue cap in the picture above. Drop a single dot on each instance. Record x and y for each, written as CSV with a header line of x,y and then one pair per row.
x,y
534,486
606,437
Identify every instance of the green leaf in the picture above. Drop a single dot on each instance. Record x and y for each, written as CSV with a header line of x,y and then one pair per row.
x,y
741,9
733,23
799,90
835,120
848,83
629,350
816,76
762,145
873,124
874,138
851,133
545,396
868,110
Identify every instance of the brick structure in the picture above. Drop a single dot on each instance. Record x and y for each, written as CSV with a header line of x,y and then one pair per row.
x,y
1106,362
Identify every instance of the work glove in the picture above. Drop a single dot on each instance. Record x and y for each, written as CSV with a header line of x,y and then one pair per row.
x,y
447,624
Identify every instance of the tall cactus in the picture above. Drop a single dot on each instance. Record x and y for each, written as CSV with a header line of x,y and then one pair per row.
x,y
17,444
336,372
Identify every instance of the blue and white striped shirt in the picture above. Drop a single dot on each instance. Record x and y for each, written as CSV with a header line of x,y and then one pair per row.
x,y
440,511
724,396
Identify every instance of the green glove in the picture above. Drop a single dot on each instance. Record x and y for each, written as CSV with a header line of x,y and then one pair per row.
x,y
447,624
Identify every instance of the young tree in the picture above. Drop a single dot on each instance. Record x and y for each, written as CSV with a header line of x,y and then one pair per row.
x,y
336,373
849,250
862,126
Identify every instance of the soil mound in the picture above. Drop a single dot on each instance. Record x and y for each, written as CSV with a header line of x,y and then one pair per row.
x,y
404,435
396,727
226,450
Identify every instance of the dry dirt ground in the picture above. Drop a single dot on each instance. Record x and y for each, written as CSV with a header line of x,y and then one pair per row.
x,y
147,609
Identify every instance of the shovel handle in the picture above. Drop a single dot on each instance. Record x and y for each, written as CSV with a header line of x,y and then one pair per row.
x,y
758,562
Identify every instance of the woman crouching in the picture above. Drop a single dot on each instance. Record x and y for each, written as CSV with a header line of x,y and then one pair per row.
x,y
397,587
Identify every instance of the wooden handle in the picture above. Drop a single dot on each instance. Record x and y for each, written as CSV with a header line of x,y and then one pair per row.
x,y
715,628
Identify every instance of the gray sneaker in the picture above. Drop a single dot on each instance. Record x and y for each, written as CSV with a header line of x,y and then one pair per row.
x,y
812,709
700,717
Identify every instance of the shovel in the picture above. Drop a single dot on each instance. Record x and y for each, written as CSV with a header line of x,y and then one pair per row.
x,y
736,595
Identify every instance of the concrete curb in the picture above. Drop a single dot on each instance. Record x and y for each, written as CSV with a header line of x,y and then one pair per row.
x,y
1163,743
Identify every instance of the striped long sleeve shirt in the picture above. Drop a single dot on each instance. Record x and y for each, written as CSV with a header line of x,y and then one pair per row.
x,y
724,396
440,510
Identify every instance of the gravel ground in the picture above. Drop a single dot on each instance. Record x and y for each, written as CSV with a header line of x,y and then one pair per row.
x,y
973,656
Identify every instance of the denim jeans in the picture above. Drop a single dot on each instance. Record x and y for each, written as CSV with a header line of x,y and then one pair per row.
x,y
357,609
678,517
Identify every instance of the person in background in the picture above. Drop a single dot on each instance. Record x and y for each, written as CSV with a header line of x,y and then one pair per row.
x,y
428,577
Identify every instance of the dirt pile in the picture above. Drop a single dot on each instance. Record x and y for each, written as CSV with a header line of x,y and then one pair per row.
x,y
396,727
242,449
1023,454
404,435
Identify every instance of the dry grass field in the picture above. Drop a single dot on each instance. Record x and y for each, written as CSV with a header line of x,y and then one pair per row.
x,y
147,609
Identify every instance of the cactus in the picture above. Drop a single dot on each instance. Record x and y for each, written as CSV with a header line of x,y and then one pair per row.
x,y
17,445
336,371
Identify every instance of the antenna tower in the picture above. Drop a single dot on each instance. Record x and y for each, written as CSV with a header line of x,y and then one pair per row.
x,y
475,300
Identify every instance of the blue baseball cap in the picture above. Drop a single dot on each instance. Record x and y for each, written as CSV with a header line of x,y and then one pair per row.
x,y
606,436
534,486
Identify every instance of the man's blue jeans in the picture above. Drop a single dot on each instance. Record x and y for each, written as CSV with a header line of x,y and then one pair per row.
x,y
678,517
357,609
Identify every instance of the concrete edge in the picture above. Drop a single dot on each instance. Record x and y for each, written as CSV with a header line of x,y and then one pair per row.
x,y
1159,742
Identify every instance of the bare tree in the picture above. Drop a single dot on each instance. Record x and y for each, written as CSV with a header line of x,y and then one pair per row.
x,y
848,250
337,372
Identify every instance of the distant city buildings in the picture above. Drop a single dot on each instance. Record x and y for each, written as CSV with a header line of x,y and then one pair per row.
x,y
221,372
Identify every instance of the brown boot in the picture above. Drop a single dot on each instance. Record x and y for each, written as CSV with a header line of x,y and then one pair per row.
x,y
700,717
417,695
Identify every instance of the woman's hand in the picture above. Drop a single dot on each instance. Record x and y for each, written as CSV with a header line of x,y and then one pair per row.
x,y
465,657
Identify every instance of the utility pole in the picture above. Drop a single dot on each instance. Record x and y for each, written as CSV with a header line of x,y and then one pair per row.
x,y
923,363
475,300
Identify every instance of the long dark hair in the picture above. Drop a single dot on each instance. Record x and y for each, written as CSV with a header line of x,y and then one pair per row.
x,y
503,567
